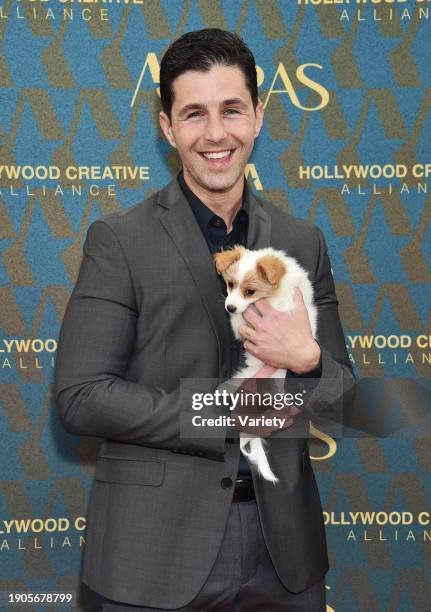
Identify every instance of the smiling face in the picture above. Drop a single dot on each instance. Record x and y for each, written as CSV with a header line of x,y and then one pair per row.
x,y
213,126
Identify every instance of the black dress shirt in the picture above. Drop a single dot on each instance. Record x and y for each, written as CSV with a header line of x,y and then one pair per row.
x,y
215,233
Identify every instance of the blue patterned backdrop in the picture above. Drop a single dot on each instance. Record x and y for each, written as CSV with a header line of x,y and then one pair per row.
x,y
346,88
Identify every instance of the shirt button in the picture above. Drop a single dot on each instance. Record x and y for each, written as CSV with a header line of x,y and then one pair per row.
x,y
217,222
226,483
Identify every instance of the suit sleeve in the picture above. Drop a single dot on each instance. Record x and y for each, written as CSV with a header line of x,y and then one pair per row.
x,y
92,394
329,392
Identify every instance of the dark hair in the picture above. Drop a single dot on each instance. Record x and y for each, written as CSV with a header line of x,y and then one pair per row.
x,y
201,50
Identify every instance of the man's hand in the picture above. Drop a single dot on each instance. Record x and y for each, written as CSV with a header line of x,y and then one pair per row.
x,y
253,410
281,339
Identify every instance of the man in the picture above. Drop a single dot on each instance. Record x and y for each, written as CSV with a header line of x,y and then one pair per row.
x,y
170,524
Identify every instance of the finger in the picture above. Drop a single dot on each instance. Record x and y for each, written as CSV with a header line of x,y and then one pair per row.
x,y
251,316
250,347
294,410
263,306
248,333
298,297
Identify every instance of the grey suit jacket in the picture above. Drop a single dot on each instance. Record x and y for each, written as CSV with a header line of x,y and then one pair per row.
x,y
146,312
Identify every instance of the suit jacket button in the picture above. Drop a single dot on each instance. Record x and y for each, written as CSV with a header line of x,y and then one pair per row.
x,y
226,483
230,440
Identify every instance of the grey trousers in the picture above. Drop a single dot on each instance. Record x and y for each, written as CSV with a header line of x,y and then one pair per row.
x,y
243,578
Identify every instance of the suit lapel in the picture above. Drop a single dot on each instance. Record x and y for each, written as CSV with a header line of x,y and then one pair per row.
x,y
180,223
259,229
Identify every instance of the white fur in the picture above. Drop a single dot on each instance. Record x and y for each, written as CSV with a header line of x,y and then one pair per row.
x,y
282,299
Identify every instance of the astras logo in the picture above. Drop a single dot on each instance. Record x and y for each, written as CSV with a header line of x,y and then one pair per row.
x,y
281,83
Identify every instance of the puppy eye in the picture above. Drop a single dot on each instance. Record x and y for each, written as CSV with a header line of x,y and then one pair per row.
x,y
230,284
250,292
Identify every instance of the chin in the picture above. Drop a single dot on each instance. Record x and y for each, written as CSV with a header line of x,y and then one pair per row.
x,y
217,179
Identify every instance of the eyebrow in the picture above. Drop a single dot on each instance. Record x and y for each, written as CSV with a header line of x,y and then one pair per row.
x,y
197,105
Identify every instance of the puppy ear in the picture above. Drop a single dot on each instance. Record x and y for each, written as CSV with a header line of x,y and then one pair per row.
x,y
271,268
224,259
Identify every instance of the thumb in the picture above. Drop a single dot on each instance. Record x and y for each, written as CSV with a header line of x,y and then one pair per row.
x,y
299,299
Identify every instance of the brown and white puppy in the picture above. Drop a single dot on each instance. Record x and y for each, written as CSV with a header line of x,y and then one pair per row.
x,y
250,276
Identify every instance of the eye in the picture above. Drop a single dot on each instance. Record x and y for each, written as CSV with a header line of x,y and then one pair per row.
x,y
250,292
230,284
231,110
194,115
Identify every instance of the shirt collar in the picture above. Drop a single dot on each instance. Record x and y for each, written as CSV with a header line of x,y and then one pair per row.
x,y
204,214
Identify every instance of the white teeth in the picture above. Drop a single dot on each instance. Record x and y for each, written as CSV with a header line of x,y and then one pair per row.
x,y
218,155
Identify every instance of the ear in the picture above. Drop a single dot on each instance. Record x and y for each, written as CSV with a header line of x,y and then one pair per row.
x,y
271,268
224,259
259,112
166,126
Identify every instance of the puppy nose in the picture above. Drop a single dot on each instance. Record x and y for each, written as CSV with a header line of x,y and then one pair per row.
x,y
230,308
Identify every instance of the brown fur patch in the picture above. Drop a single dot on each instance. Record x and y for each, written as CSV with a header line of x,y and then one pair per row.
x,y
254,281
225,259
271,268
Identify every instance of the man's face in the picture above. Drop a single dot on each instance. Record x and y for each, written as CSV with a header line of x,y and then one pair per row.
x,y
213,126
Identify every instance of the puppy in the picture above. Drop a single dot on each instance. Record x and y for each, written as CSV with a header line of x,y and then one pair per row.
x,y
250,276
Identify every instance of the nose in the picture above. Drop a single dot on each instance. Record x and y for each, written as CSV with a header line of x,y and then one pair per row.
x,y
215,129
230,308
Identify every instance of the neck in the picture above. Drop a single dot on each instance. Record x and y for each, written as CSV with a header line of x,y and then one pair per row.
x,y
225,204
